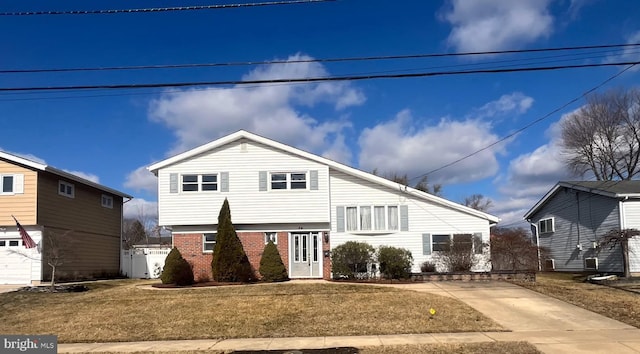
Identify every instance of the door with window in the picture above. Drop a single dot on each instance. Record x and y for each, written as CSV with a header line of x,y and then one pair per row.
x,y
304,254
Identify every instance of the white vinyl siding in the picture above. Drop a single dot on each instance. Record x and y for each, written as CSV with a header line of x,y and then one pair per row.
x,y
248,204
424,218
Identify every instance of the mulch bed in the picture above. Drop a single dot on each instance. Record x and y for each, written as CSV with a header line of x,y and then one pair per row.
x,y
76,288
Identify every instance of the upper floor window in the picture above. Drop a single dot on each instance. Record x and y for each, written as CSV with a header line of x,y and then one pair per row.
x,y
107,201
6,182
199,183
372,218
66,189
546,225
289,180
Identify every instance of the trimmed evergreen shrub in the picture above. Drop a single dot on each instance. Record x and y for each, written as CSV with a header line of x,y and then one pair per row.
x,y
229,262
395,263
176,269
271,267
351,259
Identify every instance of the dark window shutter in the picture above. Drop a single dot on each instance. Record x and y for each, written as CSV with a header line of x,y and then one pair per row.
x,y
477,243
313,180
404,218
426,244
262,184
173,183
224,181
340,219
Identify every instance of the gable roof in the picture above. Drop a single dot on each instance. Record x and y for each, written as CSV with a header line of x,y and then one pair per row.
x,y
611,189
242,134
46,168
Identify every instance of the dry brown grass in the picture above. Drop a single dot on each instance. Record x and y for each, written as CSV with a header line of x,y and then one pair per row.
x,y
125,311
618,304
439,348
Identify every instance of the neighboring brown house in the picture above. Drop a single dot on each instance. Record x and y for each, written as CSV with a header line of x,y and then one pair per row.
x,y
51,202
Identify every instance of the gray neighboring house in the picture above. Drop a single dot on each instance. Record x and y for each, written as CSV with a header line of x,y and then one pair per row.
x,y
573,216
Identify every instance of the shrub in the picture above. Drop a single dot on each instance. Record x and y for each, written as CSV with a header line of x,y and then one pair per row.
x,y
459,256
428,267
395,263
513,249
351,259
271,267
229,262
176,269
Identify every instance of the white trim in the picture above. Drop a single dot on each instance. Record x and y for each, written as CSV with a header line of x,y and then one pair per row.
x,y
242,134
320,255
61,173
67,185
553,225
205,242
109,199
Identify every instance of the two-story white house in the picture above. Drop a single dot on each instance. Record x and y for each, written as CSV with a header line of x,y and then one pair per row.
x,y
305,203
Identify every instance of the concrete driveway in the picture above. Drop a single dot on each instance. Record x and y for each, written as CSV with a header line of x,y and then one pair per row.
x,y
553,326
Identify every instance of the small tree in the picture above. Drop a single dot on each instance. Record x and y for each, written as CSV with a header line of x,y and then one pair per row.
x,y
459,256
395,263
57,250
512,249
272,268
133,232
620,238
350,259
176,269
229,262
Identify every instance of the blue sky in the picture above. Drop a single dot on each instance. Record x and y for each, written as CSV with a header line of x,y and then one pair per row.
x,y
407,126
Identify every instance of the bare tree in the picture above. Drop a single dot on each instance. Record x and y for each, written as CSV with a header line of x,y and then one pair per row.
x,y
57,250
513,249
421,185
616,237
603,137
478,202
133,232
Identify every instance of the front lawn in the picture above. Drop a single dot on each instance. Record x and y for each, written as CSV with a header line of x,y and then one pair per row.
x,y
618,304
126,311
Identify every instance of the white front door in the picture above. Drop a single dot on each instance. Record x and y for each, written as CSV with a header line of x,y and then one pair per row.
x,y
305,252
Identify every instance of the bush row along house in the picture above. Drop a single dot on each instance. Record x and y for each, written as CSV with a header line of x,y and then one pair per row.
x,y
305,203
51,202
573,216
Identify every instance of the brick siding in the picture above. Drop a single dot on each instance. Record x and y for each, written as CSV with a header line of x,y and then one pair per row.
x,y
190,245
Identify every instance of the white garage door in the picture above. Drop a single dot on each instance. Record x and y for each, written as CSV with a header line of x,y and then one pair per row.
x,y
15,268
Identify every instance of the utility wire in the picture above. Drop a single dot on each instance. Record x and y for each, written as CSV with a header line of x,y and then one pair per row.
x,y
311,79
508,136
159,9
321,60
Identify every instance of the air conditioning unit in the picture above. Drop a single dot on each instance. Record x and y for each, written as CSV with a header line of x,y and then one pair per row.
x,y
549,264
591,263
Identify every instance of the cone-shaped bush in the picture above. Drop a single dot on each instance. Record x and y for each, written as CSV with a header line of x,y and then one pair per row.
x,y
176,269
229,262
271,267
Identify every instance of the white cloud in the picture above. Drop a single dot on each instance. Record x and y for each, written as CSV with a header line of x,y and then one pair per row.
x,y
486,25
199,116
628,54
88,176
531,175
142,179
397,146
515,103
141,209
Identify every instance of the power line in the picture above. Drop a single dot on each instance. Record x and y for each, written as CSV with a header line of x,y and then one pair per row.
x,y
159,9
508,136
311,79
320,60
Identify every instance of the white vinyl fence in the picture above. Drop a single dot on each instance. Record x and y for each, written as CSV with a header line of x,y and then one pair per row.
x,y
145,263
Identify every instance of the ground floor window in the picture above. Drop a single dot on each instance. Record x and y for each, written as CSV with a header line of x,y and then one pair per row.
x,y
208,242
271,236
